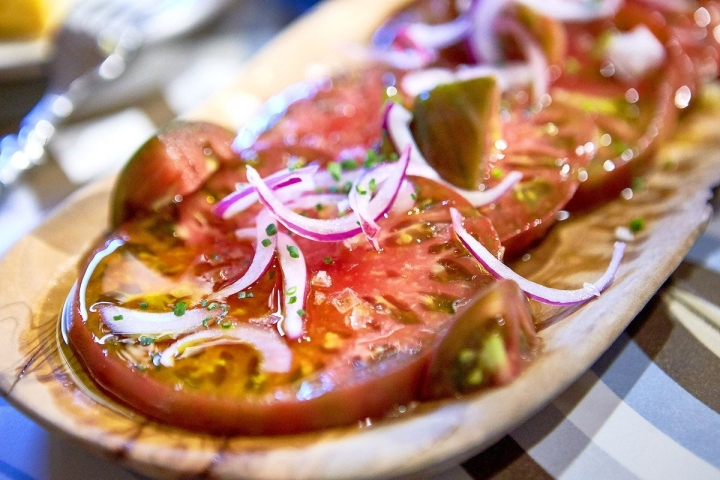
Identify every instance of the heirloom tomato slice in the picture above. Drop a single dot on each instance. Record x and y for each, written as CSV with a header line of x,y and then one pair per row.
x,y
633,113
372,321
172,164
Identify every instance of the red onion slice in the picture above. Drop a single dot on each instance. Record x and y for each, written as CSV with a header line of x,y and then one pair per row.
x,y
508,75
246,196
275,354
324,180
390,177
307,202
334,229
576,10
532,51
312,228
92,265
534,290
127,321
483,40
397,123
437,36
264,254
294,270
405,59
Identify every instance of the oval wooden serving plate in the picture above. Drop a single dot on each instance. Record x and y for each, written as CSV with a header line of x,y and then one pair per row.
x,y
39,375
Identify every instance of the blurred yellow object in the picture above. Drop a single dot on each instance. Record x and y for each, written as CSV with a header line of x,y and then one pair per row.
x,y
30,19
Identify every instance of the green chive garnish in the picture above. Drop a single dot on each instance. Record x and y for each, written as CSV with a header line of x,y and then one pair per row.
x,y
271,229
637,225
118,317
146,341
143,305
349,164
335,170
179,309
301,312
292,300
293,251
266,242
327,261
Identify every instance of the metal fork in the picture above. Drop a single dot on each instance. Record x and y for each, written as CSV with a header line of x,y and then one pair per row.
x,y
97,41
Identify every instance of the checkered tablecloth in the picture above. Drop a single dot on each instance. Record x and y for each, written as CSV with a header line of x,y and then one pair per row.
x,y
649,408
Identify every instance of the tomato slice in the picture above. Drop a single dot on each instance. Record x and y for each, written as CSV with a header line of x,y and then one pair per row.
x,y
548,147
372,322
170,165
341,120
632,115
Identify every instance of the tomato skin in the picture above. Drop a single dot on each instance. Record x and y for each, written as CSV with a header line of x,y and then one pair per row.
x,y
499,308
174,162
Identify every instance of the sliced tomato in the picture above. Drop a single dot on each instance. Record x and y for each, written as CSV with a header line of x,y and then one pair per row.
x,y
549,148
372,320
170,165
342,120
633,115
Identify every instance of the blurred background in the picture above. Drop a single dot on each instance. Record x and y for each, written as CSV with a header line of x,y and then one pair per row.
x,y
165,80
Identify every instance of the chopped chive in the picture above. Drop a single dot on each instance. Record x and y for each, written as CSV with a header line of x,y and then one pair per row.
x,y
497,173
143,305
335,170
213,306
347,186
414,196
349,165
203,303
327,261
638,183
293,251
292,300
206,322
373,185
271,229
266,242
146,341
242,295
371,159
637,225
318,207
226,324
301,312
179,309
118,317
361,190
291,290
